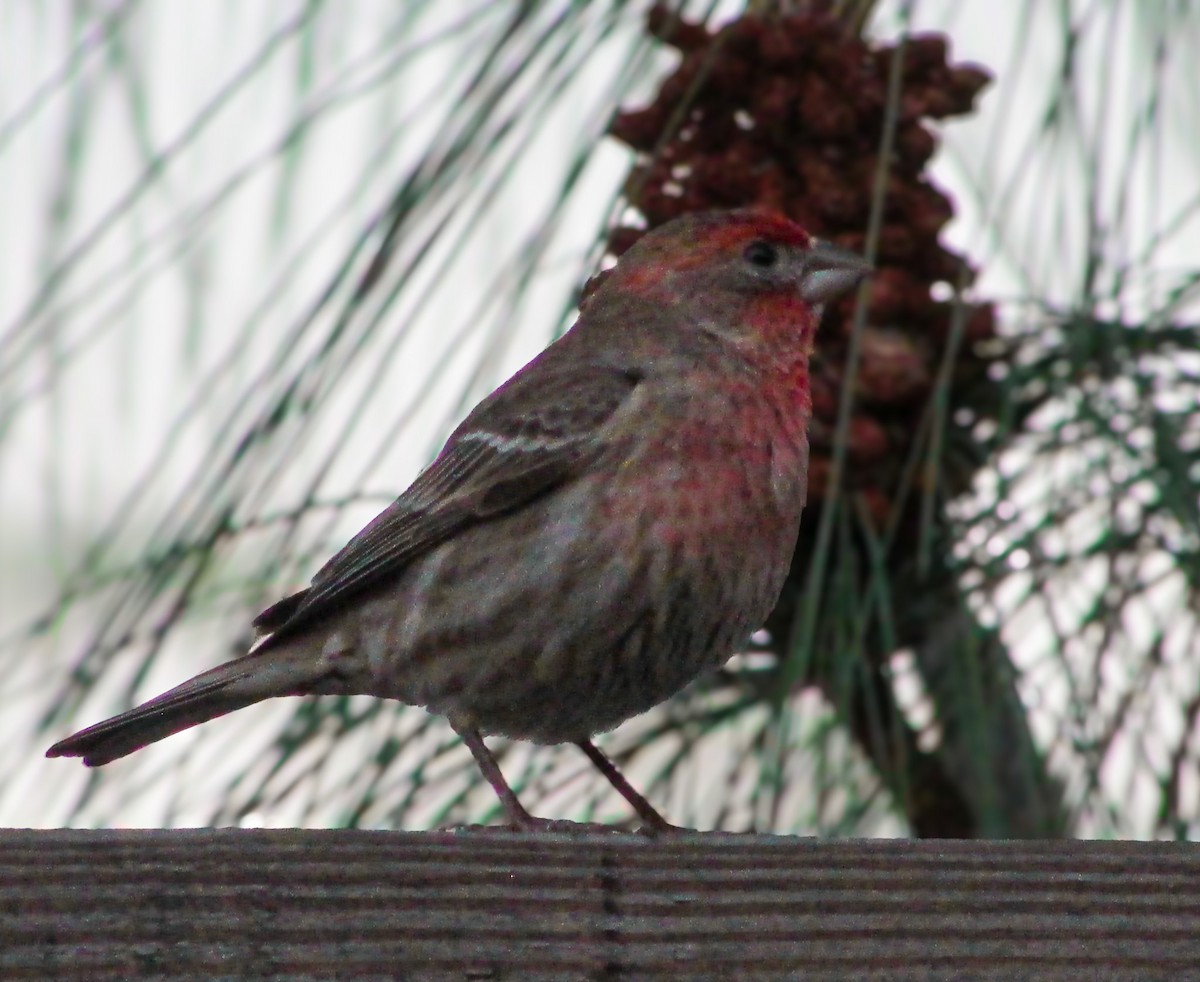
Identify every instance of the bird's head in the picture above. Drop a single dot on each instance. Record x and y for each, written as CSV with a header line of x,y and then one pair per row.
x,y
748,276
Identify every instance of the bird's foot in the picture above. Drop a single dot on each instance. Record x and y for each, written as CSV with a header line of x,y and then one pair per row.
x,y
532,823
655,829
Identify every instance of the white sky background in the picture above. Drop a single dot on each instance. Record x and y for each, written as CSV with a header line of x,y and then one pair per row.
x,y
149,324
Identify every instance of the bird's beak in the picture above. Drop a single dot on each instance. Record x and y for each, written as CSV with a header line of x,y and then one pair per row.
x,y
829,272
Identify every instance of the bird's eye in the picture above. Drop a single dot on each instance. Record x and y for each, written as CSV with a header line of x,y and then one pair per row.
x,y
760,253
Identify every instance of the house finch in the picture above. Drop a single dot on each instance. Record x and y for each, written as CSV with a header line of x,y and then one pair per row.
x,y
600,530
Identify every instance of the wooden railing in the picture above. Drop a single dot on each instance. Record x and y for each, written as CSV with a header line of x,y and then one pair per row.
x,y
489,904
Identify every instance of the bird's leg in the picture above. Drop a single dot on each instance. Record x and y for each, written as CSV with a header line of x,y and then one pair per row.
x,y
520,819
654,821
517,816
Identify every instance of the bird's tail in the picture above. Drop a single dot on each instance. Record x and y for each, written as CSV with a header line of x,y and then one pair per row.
x,y
261,675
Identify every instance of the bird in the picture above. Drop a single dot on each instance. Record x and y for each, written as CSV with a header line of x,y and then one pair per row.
x,y
603,528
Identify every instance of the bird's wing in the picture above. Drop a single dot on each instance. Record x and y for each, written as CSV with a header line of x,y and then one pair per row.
x,y
535,432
